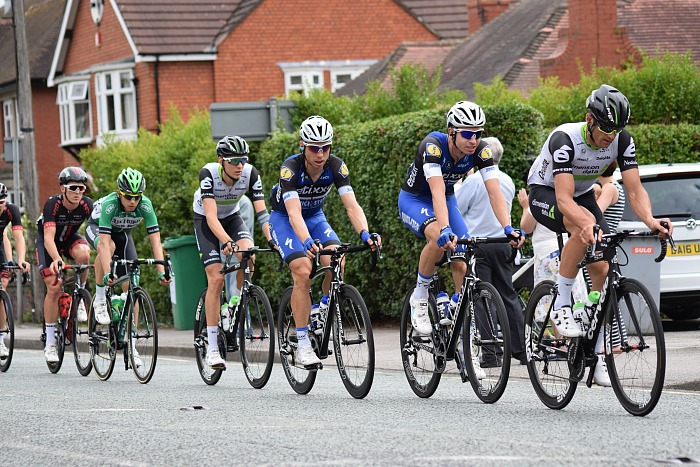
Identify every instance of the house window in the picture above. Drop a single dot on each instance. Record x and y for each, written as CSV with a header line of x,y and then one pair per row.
x,y
300,77
9,118
302,81
341,76
74,106
116,103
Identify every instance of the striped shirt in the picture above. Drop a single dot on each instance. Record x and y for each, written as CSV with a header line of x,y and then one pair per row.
x,y
614,212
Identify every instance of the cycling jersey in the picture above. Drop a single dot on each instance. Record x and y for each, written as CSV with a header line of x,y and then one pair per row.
x,y
433,159
212,185
66,221
295,182
567,151
10,215
111,217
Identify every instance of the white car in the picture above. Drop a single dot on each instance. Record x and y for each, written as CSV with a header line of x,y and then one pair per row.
x,y
674,190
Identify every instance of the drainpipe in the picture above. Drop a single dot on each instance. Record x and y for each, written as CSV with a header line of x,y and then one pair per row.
x,y
157,94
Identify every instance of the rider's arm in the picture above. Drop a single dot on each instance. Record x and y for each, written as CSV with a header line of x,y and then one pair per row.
x,y
6,245
527,221
638,197
437,191
103,252
498,201
20,245
355,212
209,206
263,217
157,252
564,191
293,207
49,243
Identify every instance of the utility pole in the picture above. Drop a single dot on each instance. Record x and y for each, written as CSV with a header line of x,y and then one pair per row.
x,y
26,133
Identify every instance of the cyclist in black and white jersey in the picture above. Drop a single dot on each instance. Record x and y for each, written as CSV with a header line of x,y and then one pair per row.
x,y
218,222
561,190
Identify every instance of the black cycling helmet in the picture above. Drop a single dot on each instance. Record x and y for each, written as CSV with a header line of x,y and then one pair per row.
x,y
3,190
72,174
232,146
609,108
131,181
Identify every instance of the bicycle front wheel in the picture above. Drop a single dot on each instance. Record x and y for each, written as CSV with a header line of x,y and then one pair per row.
x,y
300,379
418,353
487,353
103,346
256,337
143,336
637,366
546,350
353,342
7,330
81,332
208,374
60,333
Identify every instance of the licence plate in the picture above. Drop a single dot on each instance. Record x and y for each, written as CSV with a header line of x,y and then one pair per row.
x,y
684,249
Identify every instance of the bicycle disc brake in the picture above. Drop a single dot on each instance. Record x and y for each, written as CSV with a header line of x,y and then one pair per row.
x,y
574,358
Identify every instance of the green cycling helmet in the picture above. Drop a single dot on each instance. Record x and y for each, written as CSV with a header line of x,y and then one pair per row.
x,y
131,181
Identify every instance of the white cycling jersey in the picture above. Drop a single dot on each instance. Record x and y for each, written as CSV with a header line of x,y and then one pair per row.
x,y
211,185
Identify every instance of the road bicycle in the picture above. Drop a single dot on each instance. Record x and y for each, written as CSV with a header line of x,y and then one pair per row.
x,y
636,364
478,334
133,329
8,330
250,327
346,319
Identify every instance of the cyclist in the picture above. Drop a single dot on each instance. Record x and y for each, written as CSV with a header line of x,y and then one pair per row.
x,y
109,233
562,197
57,234
9,214
297,219
217,221
427,204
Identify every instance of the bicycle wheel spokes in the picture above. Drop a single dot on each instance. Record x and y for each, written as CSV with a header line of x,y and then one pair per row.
x,y
257,337
353,341
142,333
637,365
418,354
81,333
103,350
201,342
7,330
546,350
60,333
300,379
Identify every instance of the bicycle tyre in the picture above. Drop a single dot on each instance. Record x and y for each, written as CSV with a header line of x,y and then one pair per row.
x,y
300,379
142,335
637,372
547,363
8,331
486,345
418,362
201,342
81,334
353,341
256,336
60,333
103,346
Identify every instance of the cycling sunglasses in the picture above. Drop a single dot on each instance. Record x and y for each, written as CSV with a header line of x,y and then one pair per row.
x,y
468,134
76,188
316,148
131,196
236,160
608,130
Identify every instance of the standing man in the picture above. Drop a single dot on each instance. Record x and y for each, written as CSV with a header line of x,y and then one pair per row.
x,y
492,263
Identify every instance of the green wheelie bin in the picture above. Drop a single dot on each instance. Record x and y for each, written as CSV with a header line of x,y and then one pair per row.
x,y
189,281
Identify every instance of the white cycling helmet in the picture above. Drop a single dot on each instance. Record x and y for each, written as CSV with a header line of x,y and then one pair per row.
x,y
316,130
465,114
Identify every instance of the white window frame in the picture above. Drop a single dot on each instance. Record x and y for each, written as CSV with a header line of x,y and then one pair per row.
x,y
10,118
353,72
310,79
68,96
11,199
116,95
310,70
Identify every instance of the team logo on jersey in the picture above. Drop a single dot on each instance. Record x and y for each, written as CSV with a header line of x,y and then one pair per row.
x,y
206,184
433,150
111,208
486,154
344,170
258,184
286,173
145,207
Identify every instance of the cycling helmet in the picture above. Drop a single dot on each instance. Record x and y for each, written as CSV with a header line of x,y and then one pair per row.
x,y
232,145
609,107
72,174
3,190
131,181
316,130
465,114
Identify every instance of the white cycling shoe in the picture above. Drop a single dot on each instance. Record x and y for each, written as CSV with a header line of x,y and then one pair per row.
x,y
306,356
420,318
51,354
82,312
101,312
600,374
214,360
565,323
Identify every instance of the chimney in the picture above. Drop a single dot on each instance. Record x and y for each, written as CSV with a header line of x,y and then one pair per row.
x,y
481,12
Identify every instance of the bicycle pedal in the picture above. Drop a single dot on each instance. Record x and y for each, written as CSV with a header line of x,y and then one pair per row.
x,y
315,367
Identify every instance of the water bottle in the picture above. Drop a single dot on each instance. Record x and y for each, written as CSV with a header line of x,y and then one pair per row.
x,y
64,303
583,312
118,306
316,320
227,310
443,308
454,304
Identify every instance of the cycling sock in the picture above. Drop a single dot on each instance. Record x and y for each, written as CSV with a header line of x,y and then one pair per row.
x,y
422,284
303,336
50,334
213,336
564,285
100,292
599,343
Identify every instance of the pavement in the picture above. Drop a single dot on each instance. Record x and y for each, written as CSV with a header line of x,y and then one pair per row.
x,y
682,351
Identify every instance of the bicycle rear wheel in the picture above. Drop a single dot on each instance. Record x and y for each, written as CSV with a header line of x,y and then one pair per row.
x,y
7,331
637,368
489,343
60,333
81,333
201,343
418,353
546,351
301,380
142,332
353,342
103,346
256,337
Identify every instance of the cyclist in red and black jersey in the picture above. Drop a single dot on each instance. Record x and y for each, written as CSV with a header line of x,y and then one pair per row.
x,y
57,234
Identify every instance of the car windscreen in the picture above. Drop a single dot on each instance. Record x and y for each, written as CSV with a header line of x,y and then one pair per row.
x,y
676,196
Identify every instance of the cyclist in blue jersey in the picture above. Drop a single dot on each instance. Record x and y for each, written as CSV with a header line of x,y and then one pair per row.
x,y
297,219
427,205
